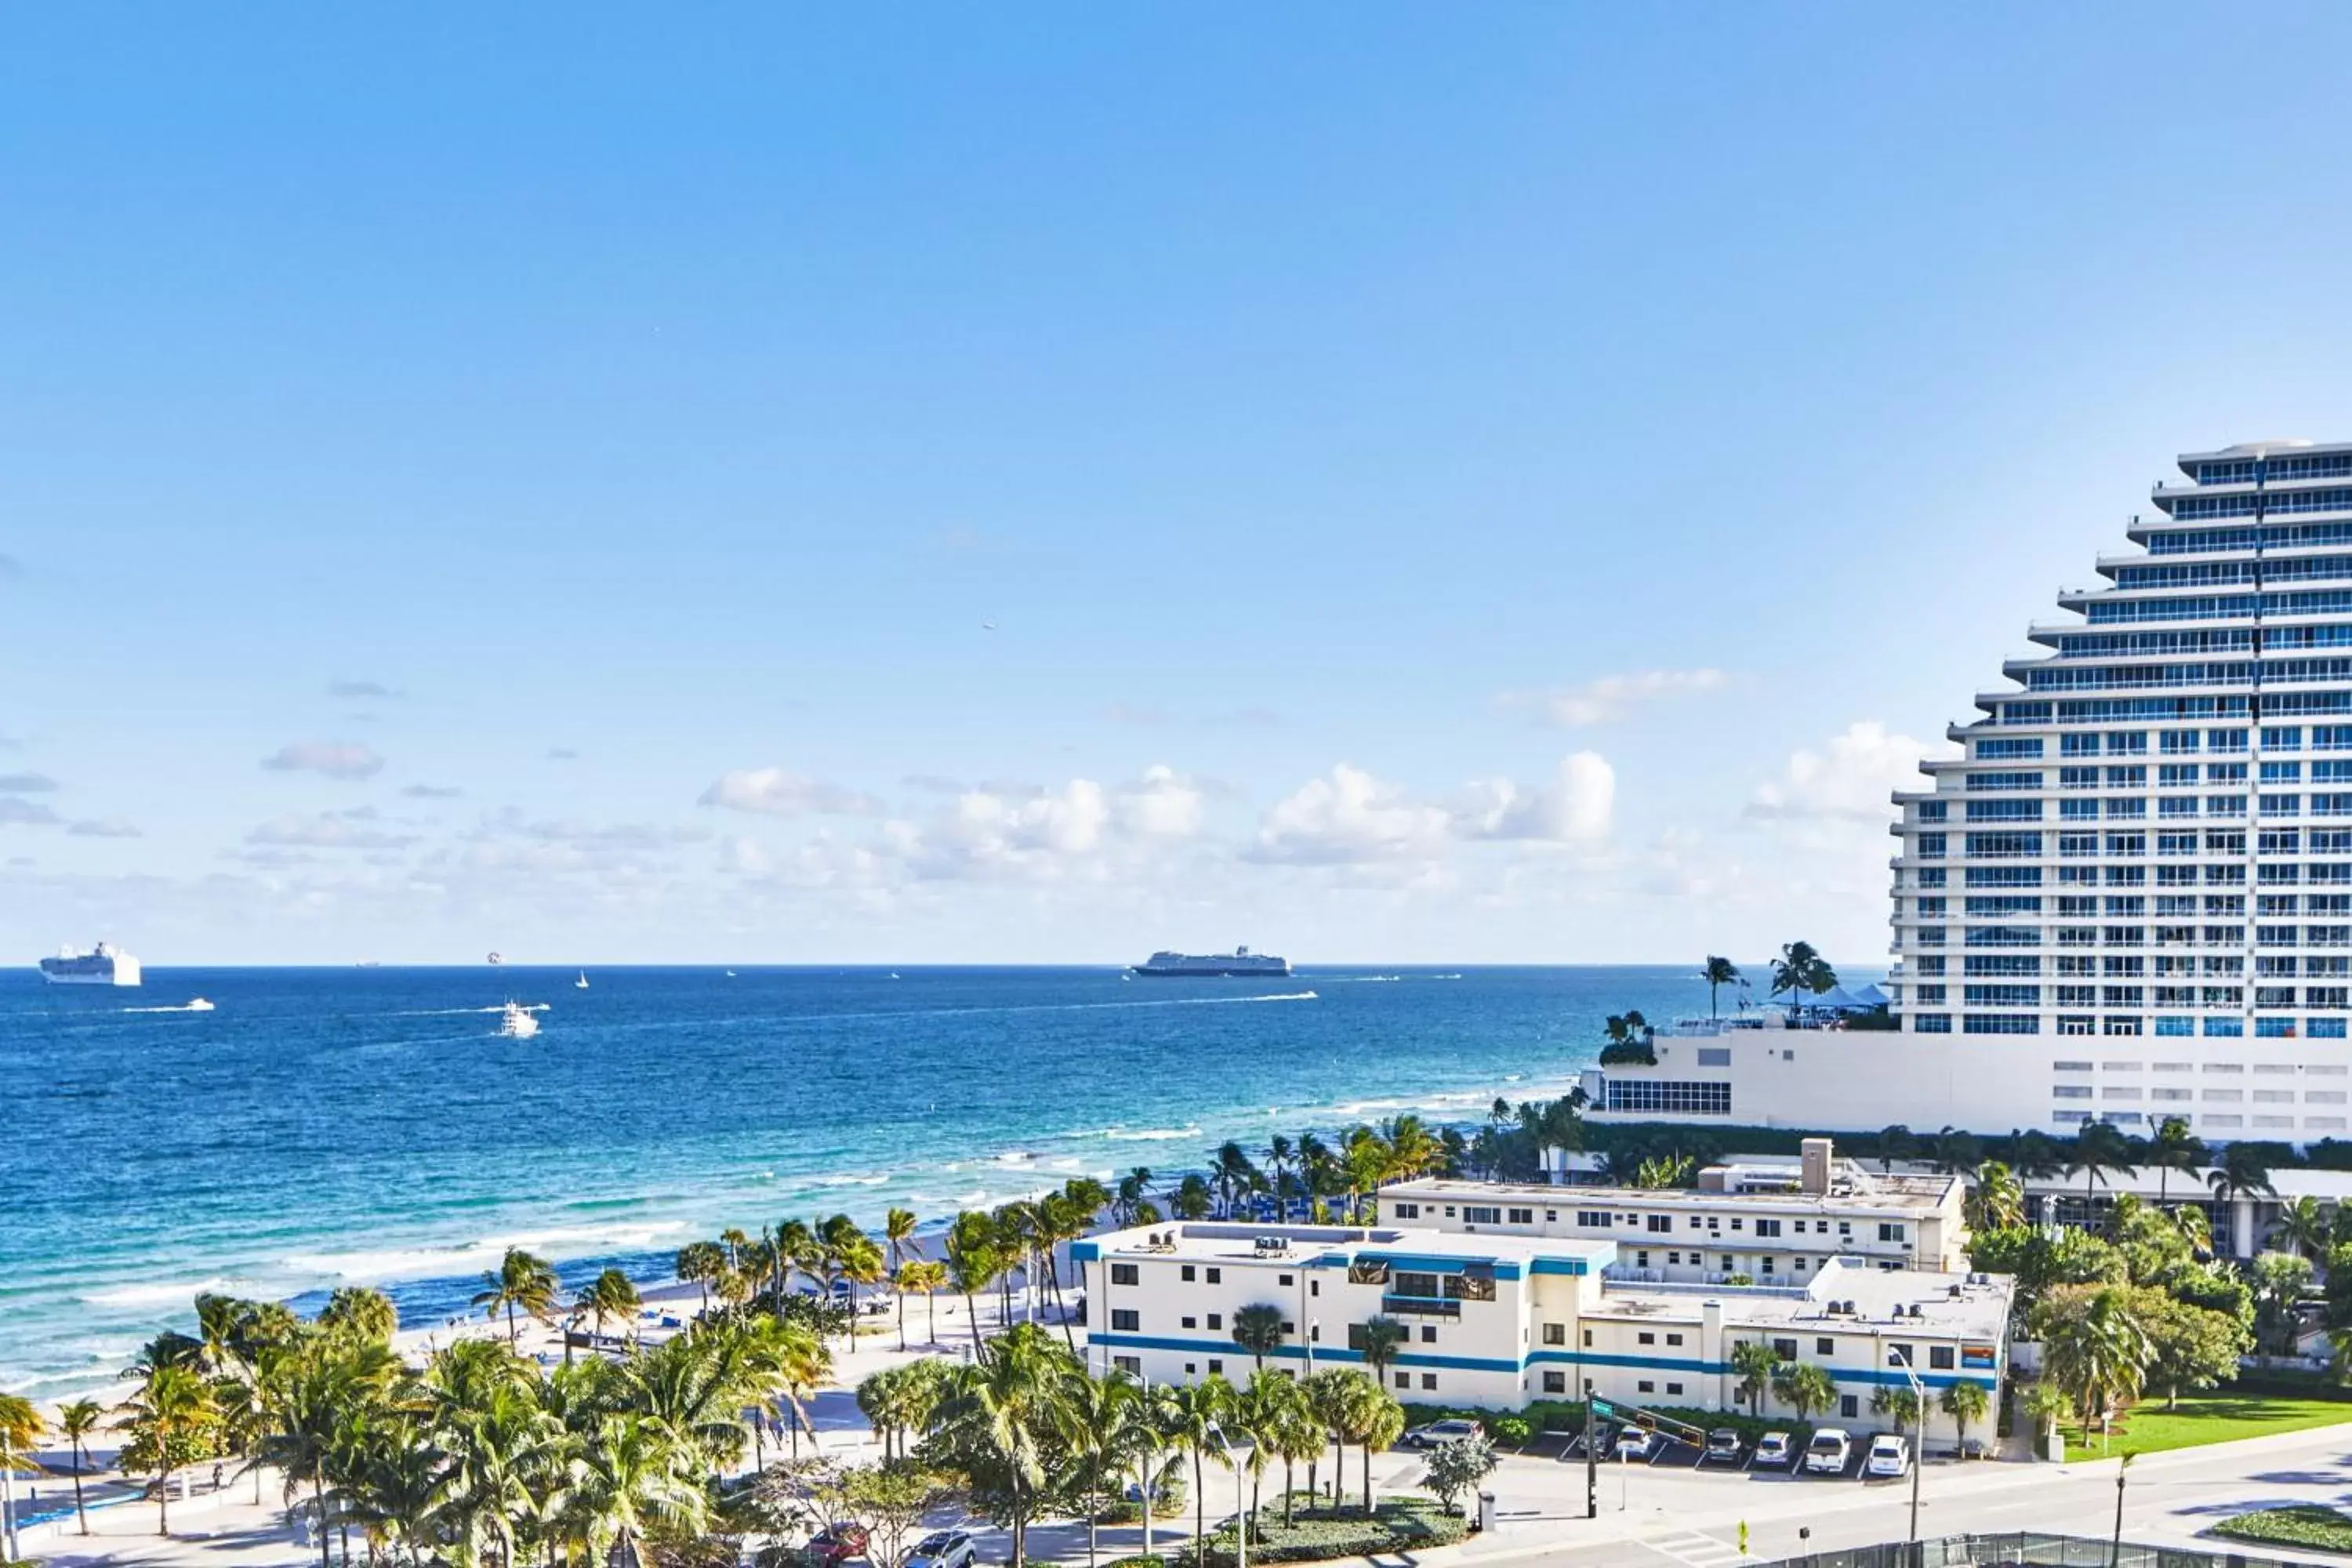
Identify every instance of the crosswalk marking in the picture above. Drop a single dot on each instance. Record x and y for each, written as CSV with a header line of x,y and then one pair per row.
x,y
1694,1548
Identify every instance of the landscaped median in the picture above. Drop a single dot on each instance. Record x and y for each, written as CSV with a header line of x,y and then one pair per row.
x,y
1323,1534
2306,1525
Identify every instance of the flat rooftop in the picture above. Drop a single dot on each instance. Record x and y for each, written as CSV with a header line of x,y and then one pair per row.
x,y
1977,1310
1863,1192
1221,1241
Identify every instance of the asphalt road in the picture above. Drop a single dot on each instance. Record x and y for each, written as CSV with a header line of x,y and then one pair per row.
x,y
1667,1514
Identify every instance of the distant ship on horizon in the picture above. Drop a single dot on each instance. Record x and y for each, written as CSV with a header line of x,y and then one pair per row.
x,y
105,965
1240,963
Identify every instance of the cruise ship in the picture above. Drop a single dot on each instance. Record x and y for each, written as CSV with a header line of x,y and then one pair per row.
x,y
1241,961
2127,896
103,966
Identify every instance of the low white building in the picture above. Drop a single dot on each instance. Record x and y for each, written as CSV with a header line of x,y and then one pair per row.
x,y
1496,1320
1773,1220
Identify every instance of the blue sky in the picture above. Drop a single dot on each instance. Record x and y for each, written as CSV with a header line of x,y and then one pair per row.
x,y
1519,484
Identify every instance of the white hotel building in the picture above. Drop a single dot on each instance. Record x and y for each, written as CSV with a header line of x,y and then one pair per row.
x,y
2130,896
1496,1320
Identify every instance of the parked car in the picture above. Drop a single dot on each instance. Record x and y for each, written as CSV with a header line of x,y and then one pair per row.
x,y
1890,1457
1441,1432
837,1544
1634,1444
947,1549
1827,1454
1723,1447
1773,1451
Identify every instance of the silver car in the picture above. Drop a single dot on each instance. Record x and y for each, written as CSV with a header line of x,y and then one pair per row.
x,y
947,1549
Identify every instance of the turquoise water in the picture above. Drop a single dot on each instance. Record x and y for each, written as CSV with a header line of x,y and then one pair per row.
x,y
368,1126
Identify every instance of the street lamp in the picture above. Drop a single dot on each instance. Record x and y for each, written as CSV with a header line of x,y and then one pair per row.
x,y
1898,1357
1235,1453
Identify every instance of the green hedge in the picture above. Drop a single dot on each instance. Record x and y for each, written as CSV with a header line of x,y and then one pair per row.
x,y
2308,1524
1320,1534
1154,1561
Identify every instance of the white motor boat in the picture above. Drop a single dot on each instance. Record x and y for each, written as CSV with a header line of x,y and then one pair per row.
x,y
516,1023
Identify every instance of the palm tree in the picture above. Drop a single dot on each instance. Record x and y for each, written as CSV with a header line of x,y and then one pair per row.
x,y
1717,973
521,1283
898,1234
609,1296
310,1398
360,1314
1257,1328
2304,1225
169,1414
1192,1199
860,1262
700,1263
1964,1402
76,1422
1958,1153
1281,1153
2035,1155
1189,1418
2196,1228
2241,1173
1898,1404
635,1468
1800,969
20,1433
1898,1142
2099,1148
1382,1425
1378,1339
2098,1354
1235,1178
2173,1148
1002,1415
925,1276
1134,1190
1997,1202
1804,1387
1754,1364
976,1261
1106,1425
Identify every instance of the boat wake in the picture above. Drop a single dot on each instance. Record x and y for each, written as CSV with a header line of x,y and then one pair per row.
x,y
197,1006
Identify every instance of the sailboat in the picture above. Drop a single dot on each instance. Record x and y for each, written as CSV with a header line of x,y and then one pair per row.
x,y
581,983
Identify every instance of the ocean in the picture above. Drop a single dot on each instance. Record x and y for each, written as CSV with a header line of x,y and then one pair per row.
x,y
369,1126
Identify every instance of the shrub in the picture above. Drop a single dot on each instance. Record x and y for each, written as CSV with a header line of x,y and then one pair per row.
x,y
1320,1534
1154,1561
2307,1524
1511,1431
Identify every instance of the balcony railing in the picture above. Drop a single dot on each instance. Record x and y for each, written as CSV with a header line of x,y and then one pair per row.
x,y
1420,1306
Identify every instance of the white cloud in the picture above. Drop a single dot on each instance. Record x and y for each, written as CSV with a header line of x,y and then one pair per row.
x,y
25,813
1163,804
1575,807
1610,697
561,754
335,759
358,689
26,783
431,791
326,831
1350,817
776,792
1850,780
104,827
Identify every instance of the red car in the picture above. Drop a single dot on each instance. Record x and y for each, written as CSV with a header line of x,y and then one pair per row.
x,y
837,1544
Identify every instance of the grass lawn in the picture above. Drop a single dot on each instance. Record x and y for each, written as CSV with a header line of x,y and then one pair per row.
x,y
2150,1429
2309,1525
